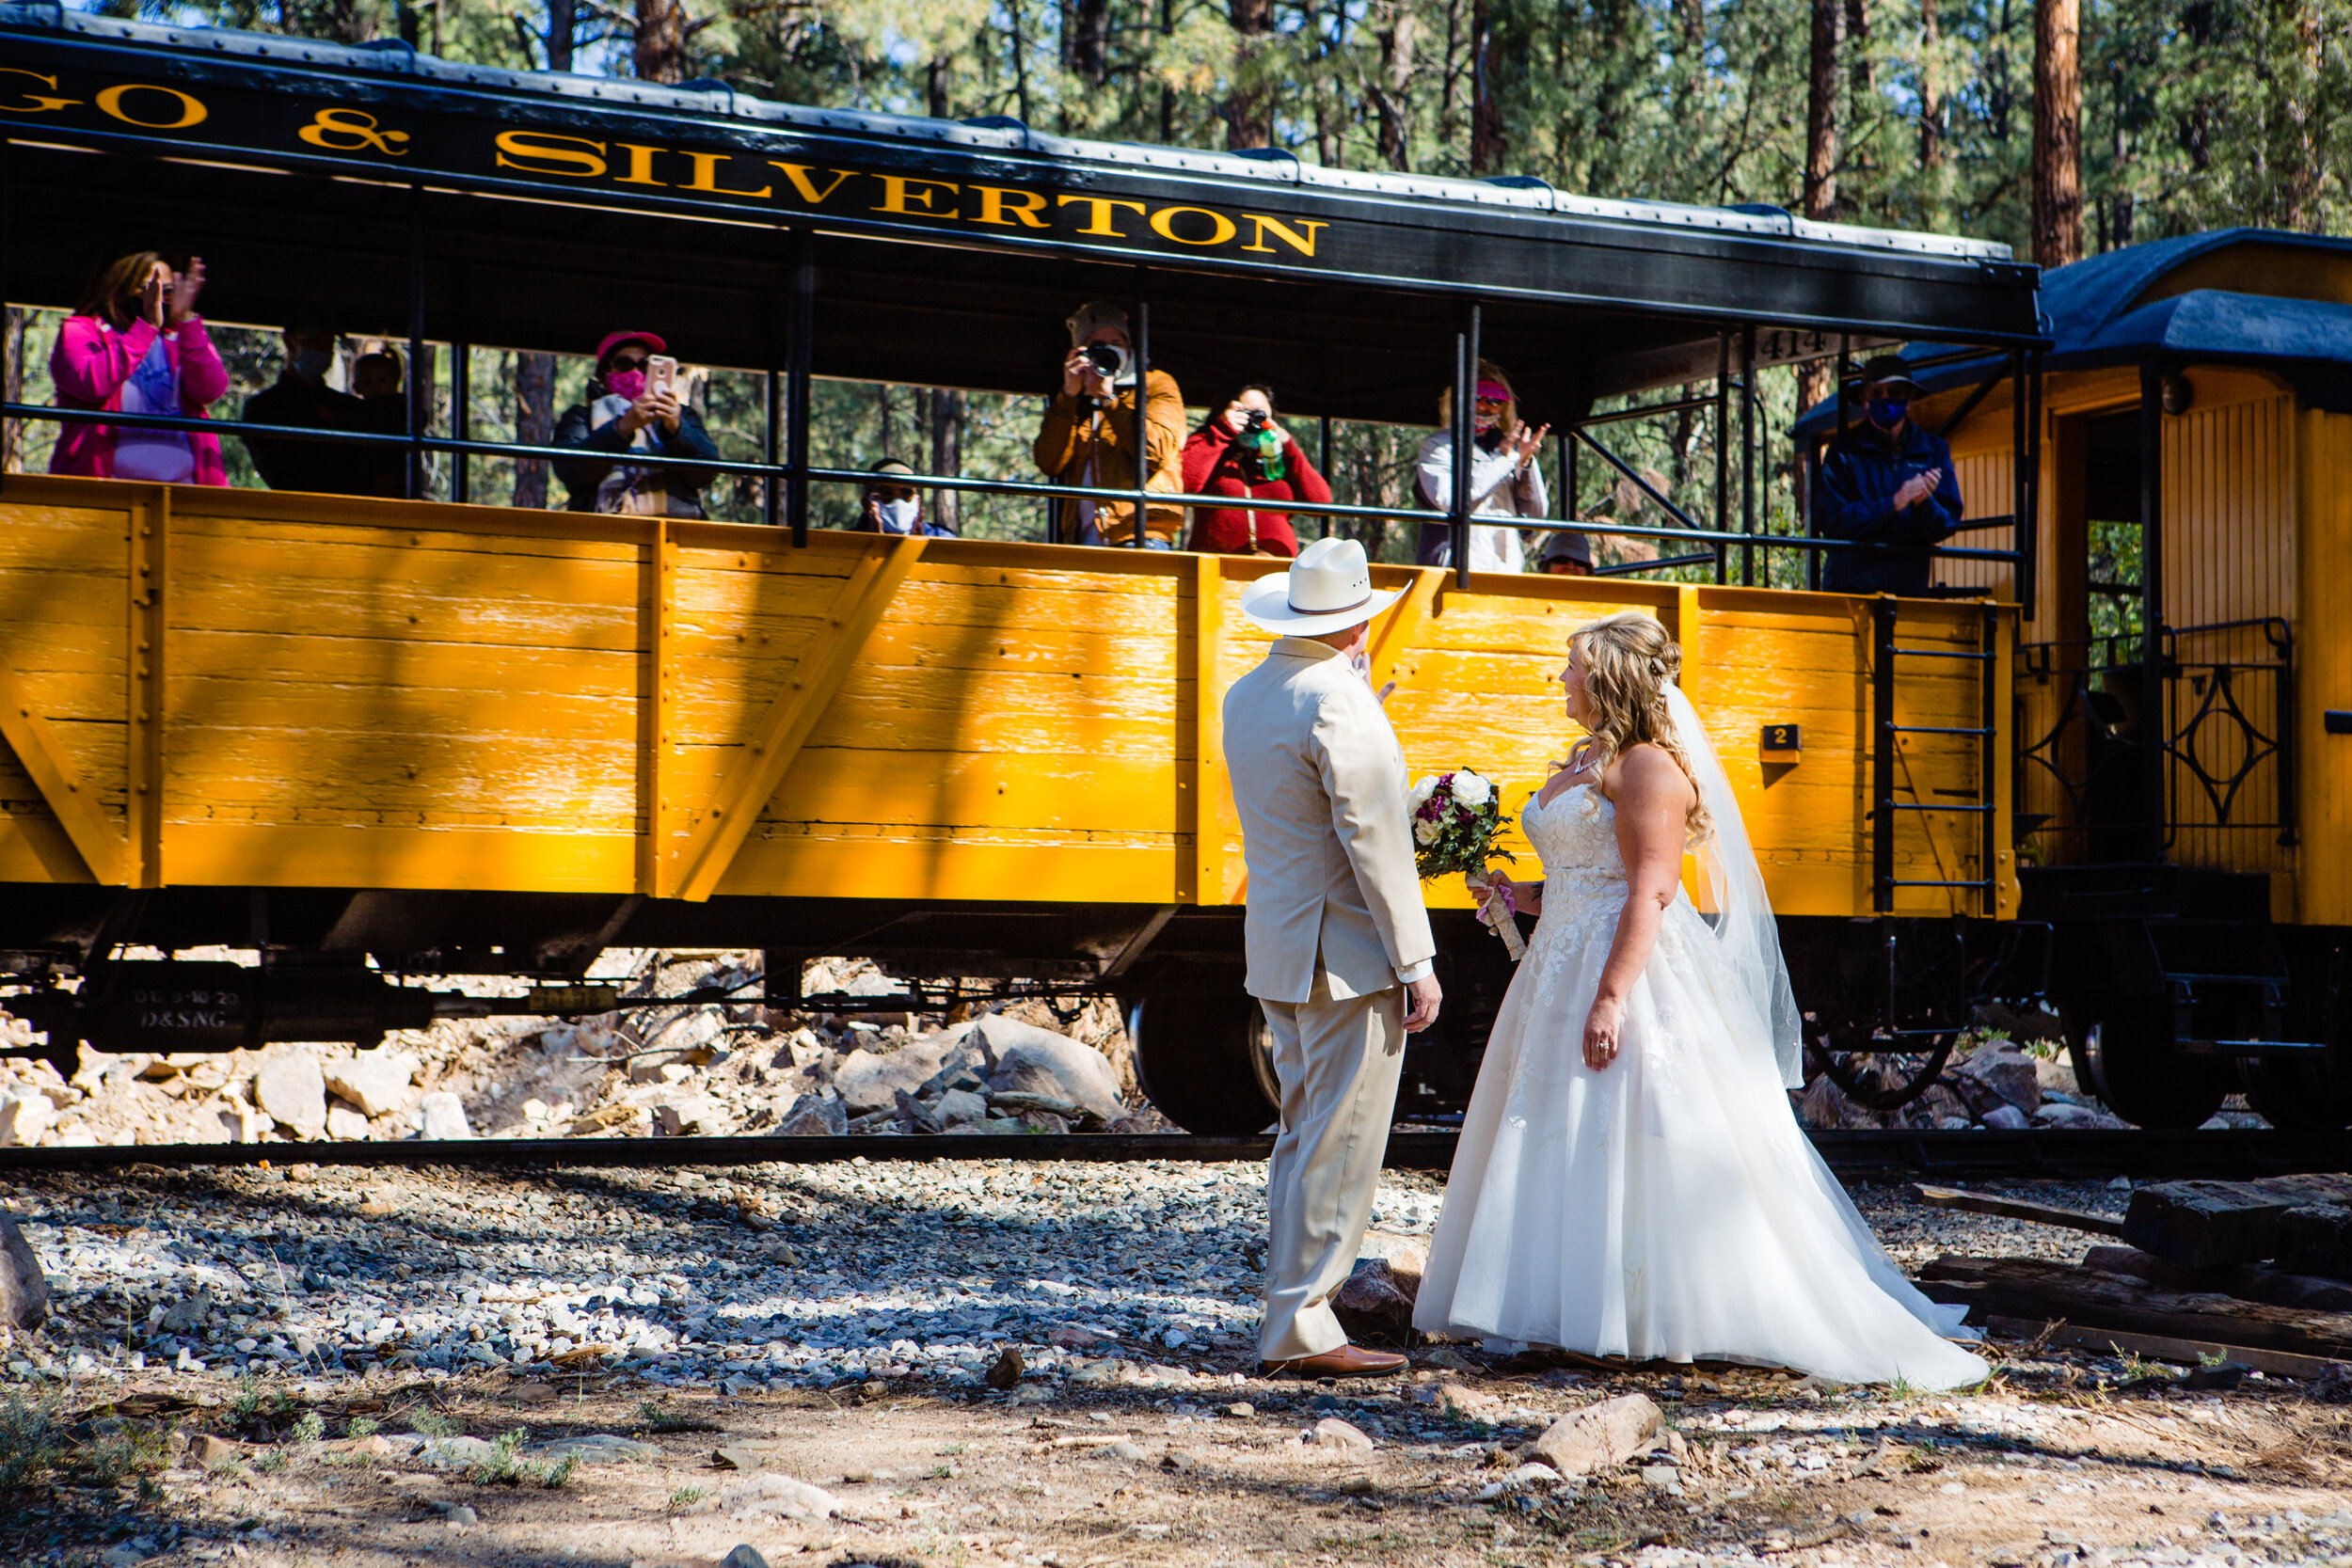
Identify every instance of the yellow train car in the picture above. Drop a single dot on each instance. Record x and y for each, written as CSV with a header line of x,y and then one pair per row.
x,y
376,736
2184,691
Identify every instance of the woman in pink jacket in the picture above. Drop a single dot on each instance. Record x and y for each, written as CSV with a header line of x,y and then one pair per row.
x,y
135,346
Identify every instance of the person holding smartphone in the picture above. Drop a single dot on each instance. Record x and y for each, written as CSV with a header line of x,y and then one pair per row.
x,y
1887,482
633,404
135,346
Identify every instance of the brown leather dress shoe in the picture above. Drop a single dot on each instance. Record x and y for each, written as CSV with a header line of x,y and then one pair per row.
x,y
1346,1361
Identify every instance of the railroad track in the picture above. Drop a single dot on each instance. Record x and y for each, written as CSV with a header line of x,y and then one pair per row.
x,y
1855,1156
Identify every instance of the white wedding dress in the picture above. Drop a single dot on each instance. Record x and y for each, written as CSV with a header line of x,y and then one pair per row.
x,y
1668,1205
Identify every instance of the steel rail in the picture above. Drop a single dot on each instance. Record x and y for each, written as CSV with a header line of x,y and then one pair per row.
x,y
1862,1154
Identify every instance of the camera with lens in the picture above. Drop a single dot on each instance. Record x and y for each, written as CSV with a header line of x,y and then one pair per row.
x,y
1253,421
1108,359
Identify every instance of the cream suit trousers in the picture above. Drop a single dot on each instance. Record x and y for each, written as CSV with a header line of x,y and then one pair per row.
x,y
1338,1063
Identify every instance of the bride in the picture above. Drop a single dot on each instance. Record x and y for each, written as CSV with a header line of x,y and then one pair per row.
x,y
1630,1179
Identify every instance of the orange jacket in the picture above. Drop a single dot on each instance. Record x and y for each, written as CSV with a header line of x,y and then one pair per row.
x,y
1070,436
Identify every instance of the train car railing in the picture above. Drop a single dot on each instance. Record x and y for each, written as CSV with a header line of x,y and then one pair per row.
x,y
2227,737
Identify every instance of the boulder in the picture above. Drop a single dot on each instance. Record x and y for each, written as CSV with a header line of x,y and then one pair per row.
x,y
2009,1118
345,1124
1332,1433
814,1115
960,1107
241,1123
1026,1059
2000,1074
24,1116
1600,1436
23,1289
375,1081
444,1117
1375,1303
870,1081
290,1087
2056,1075
694,1115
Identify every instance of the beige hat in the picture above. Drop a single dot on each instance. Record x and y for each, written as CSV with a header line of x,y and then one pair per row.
x,y
1328,588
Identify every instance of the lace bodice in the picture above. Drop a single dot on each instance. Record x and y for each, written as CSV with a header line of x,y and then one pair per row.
x,y
1575,834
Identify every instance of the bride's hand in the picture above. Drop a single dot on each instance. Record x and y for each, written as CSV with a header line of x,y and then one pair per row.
x,y
1520,898
1601,1029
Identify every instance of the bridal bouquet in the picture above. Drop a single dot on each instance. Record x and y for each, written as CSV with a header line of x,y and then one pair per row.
x,y
1456,818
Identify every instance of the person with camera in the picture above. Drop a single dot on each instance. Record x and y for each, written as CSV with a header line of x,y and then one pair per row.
x,y
135,346
1089,436
634,405
1507,481
1242,452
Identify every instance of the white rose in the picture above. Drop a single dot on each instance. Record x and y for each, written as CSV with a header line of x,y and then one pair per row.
x,y
1471,789
1426,832
1421,791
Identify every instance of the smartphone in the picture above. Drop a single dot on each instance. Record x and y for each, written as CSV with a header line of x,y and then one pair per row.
x,y
661,374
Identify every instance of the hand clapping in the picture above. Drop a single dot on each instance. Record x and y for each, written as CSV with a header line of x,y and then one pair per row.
x,y
1918,487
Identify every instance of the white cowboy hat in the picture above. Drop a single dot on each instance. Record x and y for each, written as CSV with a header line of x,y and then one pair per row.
x,y
1328,588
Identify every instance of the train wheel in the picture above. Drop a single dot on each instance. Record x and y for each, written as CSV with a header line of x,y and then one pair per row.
x,y
1205,1060
2133,1070
2298,1097
1884,1080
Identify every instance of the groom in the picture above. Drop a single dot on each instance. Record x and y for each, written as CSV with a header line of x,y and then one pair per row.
x,y
1339,945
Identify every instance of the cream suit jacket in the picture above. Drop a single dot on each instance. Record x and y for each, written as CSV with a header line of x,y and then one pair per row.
x,y
1319,780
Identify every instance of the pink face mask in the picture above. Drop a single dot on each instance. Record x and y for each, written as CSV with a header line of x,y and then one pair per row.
x,y
629,384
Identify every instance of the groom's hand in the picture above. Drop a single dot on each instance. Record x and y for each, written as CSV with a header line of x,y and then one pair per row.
x,y
1421,1004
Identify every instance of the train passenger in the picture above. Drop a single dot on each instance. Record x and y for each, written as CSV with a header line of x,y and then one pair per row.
x,y
1088,436
629,410
1565,554
1887,482
1240,452
897,508
301,397
135,346
1505,479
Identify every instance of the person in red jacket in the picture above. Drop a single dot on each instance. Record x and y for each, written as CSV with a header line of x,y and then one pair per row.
x,y
1240,451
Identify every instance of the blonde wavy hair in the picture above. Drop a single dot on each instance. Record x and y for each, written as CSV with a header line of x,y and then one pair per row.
x,y
1630,661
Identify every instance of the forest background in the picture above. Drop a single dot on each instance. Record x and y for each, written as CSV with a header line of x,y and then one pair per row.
x,y
2061,127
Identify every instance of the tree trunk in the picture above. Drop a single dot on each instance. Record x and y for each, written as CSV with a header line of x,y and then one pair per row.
x,y
660,52
935,88
562,23
1858,74
1486,143
944,417
1398,31
1086,44
1931,112
1249,105
1821,117
1815,377
534,423
12,431
2058,133
2120,203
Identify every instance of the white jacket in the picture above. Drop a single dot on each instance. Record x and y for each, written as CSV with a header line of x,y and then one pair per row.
x,y
1498,489
1319,780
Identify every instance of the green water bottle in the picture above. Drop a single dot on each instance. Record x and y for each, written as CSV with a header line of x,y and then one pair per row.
x,y
1268,445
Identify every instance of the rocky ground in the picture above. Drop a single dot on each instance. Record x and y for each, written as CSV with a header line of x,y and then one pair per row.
x,y
997,1363
649,1070
653,1070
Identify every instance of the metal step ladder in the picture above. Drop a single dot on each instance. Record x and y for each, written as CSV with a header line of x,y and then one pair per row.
x,y
1884,744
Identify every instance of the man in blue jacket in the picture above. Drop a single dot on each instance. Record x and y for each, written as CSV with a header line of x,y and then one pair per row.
x,y
1886,482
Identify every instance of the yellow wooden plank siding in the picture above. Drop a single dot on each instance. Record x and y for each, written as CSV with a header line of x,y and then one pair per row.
x,y
2323,667
2230,555
380,695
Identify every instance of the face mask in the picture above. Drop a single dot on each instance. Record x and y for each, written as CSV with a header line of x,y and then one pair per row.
x,y
896,516
1889,414
311,363
628,386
